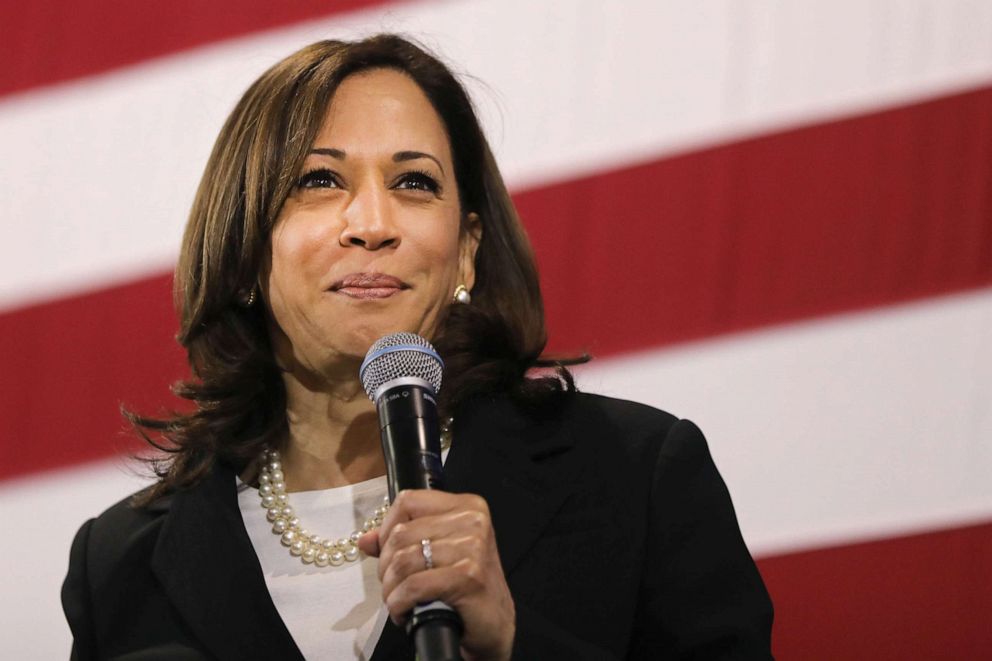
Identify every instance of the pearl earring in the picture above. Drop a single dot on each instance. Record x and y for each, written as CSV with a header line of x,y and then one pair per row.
x,y
461,295
249,300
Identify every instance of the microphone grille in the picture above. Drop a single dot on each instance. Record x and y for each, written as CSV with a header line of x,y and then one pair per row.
x,y
400,355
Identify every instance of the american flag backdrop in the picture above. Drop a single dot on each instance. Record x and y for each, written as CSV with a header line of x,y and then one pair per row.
x,y
772,218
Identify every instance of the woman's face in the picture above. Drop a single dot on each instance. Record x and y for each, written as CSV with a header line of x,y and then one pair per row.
x,y
370,242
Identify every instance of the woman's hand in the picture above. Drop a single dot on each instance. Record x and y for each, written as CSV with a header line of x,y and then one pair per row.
x,y
467,574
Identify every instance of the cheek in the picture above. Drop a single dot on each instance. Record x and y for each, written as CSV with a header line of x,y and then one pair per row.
x,y
439,245
297,250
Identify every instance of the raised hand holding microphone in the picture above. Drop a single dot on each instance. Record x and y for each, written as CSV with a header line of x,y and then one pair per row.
x,y
436,550
466,575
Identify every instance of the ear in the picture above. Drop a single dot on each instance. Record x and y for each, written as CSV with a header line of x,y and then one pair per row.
x,y
471,236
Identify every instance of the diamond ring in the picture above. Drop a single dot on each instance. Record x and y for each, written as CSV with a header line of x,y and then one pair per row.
x,y
425,548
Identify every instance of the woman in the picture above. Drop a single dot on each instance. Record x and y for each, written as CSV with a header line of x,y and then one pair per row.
x,y
351,194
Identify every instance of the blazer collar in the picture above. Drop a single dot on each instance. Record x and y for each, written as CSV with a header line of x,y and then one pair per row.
x,y
518,463
207,566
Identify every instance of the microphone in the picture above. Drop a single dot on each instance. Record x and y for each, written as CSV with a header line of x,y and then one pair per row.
x,y
402,374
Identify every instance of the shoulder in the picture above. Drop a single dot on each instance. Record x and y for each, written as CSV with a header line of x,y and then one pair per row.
x,y
619,414
642,441
644,454
590,426
127,517
632,428
123,530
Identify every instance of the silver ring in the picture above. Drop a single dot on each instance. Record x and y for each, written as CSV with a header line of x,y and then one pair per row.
x,y
425,548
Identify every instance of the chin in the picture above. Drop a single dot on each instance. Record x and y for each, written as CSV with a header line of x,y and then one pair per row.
x,y
363,338
355,338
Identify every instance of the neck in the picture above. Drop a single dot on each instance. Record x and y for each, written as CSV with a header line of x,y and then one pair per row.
x,y
333,436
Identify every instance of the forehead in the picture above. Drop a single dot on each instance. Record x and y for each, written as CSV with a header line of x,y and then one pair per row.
x,y
382,110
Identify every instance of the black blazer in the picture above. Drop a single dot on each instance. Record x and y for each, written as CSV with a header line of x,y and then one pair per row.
x,y
615,531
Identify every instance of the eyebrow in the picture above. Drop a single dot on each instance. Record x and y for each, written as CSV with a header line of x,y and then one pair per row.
x,y
329,151
401,156
398,157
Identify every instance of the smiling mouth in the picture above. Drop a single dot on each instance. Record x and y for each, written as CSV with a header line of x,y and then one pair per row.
x,y
369,285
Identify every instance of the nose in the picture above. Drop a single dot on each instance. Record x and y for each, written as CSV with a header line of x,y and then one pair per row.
x,y
369,220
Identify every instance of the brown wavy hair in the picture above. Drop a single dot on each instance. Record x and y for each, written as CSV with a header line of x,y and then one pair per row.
x,y
236,387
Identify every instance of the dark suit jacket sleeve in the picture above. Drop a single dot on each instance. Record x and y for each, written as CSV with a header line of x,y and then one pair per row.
x,y
702,596
76,597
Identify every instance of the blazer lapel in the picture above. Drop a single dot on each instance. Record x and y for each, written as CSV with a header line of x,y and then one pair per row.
x,y
518,464
206,564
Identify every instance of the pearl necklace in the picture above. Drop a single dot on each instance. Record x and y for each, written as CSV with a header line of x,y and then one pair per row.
x,y
308,547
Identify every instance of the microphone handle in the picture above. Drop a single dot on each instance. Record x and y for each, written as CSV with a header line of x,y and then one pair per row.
x,y
411,444
437,632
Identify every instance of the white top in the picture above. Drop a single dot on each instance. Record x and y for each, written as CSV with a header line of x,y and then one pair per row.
x,y
331,612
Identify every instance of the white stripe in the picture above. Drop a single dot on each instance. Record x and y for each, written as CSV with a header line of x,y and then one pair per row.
x,y
48,510
861,426
98,175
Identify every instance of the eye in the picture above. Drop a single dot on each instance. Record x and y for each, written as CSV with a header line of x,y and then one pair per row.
x,y
418,180
318,178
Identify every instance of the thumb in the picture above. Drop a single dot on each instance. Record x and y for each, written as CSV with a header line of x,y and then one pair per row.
x,y
369,543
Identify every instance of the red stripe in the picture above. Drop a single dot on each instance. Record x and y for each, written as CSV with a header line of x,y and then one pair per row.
x,y
856,213
48,41
921,597
862,212
69,365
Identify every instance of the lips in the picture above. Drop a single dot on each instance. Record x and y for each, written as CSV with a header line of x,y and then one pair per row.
x,y
369,285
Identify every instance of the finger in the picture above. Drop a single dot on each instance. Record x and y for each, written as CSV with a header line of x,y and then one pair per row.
x,y
368,543
410,560
462,523
412,504
453,585
409,534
